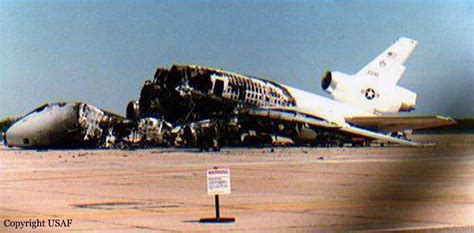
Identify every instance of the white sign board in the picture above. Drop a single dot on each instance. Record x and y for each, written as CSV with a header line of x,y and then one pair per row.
x,y
218,181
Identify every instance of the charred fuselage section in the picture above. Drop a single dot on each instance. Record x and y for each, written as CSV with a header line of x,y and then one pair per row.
x,y
184,94
206,102
67,125
186,106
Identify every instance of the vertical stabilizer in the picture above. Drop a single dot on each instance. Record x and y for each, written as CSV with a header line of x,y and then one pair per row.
x,y
389,65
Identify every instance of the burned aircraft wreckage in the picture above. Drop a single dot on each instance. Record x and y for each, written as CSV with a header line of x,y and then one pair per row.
x,y
191,106
197,106
67,125
184,106
212,107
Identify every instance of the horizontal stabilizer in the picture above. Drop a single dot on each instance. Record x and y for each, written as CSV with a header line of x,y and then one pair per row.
x,y
400,123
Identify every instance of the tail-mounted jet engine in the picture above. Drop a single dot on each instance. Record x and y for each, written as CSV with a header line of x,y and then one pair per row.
x,y
133,110
370,94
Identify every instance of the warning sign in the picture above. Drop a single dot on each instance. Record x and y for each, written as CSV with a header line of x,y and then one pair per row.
x,y
218,181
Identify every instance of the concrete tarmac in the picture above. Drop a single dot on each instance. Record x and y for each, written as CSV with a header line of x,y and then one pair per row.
x,y
289,189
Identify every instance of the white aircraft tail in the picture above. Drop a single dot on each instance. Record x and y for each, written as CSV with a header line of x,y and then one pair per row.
x,y
389,65
374,87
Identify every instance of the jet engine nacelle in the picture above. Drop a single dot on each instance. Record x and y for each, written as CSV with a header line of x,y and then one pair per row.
x,y
372,95
335,81
133,110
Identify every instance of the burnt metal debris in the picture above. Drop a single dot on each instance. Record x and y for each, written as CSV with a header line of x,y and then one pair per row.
x,y
207,107
183,106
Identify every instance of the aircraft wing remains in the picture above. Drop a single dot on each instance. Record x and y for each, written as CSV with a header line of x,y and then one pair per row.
x,y
291,116
319,124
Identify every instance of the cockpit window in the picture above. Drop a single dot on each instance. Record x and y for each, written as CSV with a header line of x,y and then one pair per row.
x,y
41,108
46,106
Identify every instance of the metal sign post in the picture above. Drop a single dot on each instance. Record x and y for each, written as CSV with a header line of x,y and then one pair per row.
x,y
218,182
218,213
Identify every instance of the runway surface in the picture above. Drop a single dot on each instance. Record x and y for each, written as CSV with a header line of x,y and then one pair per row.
x,y
293,189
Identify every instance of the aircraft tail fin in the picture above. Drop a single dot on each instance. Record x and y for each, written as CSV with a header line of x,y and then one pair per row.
x,y
389,65
374,88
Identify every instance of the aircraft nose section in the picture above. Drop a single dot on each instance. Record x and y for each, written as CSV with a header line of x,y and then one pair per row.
x,y
44,127
20,135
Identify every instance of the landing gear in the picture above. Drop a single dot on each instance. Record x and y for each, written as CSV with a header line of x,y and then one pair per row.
x,y
400,135
363,143
205,143
122,146
205,135
329,140
215,145
357,144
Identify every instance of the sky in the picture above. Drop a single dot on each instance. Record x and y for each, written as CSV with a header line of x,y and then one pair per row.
x,y
101,53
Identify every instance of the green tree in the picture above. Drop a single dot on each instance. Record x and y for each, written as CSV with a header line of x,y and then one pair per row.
x,y
5,123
